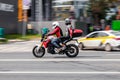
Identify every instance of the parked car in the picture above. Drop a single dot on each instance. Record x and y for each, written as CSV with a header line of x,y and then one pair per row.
x,y
107,40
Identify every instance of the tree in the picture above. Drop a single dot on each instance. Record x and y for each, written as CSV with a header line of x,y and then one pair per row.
x,y
98,9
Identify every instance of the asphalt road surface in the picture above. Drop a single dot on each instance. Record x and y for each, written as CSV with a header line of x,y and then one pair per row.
x,y
18,63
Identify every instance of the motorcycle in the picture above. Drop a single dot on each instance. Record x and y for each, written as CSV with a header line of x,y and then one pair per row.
x,y
71,50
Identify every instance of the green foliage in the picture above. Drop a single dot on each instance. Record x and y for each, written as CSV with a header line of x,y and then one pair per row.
x,y
98,8
18,36
3,40
116,25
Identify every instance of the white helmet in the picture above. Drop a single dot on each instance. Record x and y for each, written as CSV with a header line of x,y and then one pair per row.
x,y
55,24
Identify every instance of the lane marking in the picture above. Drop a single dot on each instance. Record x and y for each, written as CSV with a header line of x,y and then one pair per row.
x,y
58,60
55,72
113,54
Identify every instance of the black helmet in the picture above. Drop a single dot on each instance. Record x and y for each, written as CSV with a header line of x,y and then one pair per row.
x,y
67,21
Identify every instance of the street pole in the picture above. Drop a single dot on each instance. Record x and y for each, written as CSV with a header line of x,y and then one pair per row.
x,y
47,10
25,19
38,11
26,6
39,14
20,16
76,8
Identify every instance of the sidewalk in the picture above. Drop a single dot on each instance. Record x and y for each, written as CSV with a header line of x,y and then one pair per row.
x,y
20,40
2,40
18,46
15,40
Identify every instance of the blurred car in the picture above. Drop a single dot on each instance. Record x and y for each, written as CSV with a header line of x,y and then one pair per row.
x,y
107,40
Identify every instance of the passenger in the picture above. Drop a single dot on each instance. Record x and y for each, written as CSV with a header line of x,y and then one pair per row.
x,y
69,31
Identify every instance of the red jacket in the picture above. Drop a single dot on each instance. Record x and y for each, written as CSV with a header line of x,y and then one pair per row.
x,y
57,31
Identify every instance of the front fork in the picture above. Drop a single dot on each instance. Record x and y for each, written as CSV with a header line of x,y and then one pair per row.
x,y
39,46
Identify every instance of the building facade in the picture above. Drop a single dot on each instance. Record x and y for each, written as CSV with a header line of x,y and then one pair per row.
x,y
47,10
44,12
11,12
41,10
69,8
8,16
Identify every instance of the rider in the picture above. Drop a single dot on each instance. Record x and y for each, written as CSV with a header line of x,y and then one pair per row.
x,y
58,32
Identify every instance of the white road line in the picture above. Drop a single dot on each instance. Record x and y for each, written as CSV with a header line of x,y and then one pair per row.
x,y
58,60
113,54
54,72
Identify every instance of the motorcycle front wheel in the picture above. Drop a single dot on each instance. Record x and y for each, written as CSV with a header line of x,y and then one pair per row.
x,y
38,52
72,50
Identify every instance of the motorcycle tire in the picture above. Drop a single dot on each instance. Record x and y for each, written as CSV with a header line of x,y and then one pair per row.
x,y
72,50
38,52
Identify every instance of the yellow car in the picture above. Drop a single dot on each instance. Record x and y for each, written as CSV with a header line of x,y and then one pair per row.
x,y
107,40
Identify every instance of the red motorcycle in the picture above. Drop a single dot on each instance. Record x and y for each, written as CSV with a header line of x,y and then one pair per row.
x,y
71,50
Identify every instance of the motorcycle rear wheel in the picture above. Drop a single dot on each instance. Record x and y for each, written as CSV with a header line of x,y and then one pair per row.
x,y
72,50
38,52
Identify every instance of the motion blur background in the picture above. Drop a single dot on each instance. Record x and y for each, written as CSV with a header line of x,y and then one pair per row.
x,y
37,14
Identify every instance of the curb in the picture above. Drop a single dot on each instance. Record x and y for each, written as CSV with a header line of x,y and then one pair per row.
x,y
16,40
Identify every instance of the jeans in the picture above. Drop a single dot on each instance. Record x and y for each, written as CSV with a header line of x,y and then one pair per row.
x,y
56,42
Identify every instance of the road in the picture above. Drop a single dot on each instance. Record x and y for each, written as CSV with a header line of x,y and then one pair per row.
x,y
18,63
